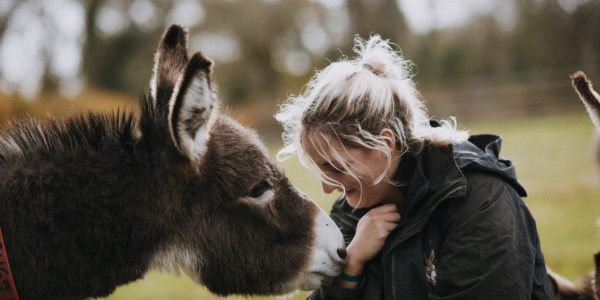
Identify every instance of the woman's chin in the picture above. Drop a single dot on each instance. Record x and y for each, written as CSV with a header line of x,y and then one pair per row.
x,y
353,198
351,194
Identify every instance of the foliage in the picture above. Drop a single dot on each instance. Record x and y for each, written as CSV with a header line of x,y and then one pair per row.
x,y
542,38
54,104
265,48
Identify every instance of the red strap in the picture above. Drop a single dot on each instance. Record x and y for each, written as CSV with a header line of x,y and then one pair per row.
x,y
8,291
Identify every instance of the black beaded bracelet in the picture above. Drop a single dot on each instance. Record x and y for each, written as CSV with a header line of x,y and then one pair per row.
x,y
351,278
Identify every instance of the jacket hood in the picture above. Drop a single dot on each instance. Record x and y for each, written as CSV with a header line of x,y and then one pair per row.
x,y
482,153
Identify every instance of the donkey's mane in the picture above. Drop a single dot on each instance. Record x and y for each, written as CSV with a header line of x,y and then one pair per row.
x,y
86,131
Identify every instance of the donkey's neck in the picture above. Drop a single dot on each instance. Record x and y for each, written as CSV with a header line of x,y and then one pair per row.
x,y
86,195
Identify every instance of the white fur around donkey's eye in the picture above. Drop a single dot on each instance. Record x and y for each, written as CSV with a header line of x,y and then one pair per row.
x,y
266,196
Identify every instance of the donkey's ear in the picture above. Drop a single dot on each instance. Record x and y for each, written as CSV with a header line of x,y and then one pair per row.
x,y
590,98
169,62
193,108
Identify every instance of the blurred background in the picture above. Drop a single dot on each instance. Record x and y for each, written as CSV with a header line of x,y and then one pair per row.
x,y
499,66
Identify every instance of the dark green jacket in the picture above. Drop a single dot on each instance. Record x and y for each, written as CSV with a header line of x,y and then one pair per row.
x,y
466,233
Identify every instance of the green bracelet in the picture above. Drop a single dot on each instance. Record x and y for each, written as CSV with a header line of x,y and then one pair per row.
x,y
351,278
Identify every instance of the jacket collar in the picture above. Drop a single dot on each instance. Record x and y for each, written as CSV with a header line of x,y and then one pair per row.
x,y
436,177
482,152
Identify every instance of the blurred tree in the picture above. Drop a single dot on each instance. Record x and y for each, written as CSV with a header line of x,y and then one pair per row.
x,y
382,17
266,40
269,35
263,48
5,15
544,37
584,32
39,44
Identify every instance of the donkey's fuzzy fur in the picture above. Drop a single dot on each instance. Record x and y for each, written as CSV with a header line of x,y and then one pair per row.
x,y
589,288
563,289
94,201
590,98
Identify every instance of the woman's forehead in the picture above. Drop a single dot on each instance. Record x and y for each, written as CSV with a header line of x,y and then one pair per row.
x,y
323,149
319,146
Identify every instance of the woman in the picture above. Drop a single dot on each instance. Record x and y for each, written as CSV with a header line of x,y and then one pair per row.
x,y
427,211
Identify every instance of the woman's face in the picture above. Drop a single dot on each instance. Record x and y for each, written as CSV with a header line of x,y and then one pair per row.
x,y
367,165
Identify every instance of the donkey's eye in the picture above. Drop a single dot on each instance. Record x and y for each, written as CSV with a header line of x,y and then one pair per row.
x,y
260,189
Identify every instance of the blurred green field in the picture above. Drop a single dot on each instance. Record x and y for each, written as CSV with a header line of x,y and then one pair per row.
x,y
554,162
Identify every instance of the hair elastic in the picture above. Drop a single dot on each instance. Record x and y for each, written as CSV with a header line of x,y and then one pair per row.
x,y
372,69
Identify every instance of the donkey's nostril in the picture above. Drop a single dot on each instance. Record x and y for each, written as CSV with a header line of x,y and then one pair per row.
x,y
342,253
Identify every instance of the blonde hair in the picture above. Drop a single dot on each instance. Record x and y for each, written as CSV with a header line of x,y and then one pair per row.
x,y
351,101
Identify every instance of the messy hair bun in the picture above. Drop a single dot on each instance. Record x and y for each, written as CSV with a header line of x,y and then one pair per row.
x,y
353,100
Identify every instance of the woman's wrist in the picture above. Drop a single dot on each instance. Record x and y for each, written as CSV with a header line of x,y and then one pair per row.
x,y
352,274
353,268
354,265
349,281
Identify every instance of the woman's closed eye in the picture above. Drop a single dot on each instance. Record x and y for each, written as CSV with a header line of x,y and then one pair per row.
x,y
335,169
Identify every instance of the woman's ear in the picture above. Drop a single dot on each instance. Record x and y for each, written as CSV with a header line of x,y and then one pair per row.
x,y
390,138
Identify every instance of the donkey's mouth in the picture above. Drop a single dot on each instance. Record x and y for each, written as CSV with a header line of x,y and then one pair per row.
x,y
325,279
325,272
315,280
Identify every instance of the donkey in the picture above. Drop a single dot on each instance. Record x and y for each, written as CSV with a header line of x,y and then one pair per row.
x,y
590,289
94,201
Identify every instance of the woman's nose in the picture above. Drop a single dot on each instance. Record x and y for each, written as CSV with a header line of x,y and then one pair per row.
x,y
328,188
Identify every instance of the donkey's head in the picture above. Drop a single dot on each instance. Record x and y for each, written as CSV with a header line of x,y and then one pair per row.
x,y
242,227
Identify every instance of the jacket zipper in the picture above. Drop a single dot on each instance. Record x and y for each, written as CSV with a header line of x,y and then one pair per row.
x,y
388,280
393,286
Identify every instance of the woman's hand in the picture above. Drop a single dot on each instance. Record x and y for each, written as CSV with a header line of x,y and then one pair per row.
x,y
371,232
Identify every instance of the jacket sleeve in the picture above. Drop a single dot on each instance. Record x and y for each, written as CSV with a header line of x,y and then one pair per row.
x,y
490,252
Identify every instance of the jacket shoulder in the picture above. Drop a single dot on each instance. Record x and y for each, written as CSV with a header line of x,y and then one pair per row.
x,y
486,193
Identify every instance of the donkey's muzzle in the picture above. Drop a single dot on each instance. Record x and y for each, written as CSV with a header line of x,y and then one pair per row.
x,y
328,255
